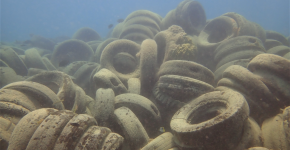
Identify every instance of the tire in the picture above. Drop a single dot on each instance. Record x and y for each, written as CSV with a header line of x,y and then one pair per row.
x,y
45,96
146,111
126,49
162,142
72,132
102,107
27,126
131,128
212,121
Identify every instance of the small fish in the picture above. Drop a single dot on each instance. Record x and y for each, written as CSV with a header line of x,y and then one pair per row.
x,y
120,20
110,26
162,130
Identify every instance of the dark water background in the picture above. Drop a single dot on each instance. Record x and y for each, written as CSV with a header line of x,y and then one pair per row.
x,y
51,18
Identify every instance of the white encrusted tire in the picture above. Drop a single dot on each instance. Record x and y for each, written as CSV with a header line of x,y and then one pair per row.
x,y
212,121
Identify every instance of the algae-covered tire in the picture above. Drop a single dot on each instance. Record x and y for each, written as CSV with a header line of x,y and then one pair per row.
x,y
49,66
277,36
183,88
33,59
274,71
286,122
134,85
45,96
212,121
218,73
144,13
106,79
187,69
191,16
93,138
18,98
60,83
287,56
215,32
99,50
146,18
240,47
188,14
94,44
262,102
102,108
140,25
6,130
127,47
18,50
273,133
146,21
112,142
10,57
49,130
82,77
117,30
270,43
136,28
252,135
34,71
272,63
167,41
26,127
239,55
246,27
162,142
70,51
3,63
146,111
131,128
11,111
279,50
73,67
8,75
148,65
73,131
86,34
80,101
166,100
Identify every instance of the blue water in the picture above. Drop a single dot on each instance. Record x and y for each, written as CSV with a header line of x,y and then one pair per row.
x,y
51,18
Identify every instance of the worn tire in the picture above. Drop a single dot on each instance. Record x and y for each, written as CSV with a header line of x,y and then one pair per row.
x,y
146,111
162,142
131,128
119,47
212,121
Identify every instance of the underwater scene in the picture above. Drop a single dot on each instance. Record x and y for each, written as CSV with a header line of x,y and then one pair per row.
x,y
145,75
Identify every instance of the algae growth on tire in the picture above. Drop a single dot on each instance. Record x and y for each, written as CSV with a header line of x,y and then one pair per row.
x,y
182,79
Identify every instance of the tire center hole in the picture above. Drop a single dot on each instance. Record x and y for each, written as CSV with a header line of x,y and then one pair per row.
x,y
206,112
